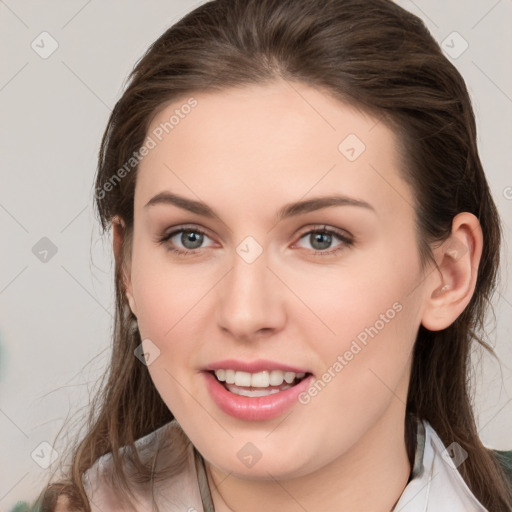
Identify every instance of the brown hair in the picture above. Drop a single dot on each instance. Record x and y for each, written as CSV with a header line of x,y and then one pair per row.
x,y
369,53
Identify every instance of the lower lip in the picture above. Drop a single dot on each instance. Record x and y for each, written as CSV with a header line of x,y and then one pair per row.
x,y
254,408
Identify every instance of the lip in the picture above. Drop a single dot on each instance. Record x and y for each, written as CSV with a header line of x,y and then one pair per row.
x,y
253,366
254,408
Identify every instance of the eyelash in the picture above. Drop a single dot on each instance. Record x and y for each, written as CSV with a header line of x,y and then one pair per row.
x,y
347,241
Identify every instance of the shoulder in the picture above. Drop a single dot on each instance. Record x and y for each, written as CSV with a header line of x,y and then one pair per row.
x,y
167,451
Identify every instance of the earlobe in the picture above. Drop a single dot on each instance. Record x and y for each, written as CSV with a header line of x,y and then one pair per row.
x,y
452,283
121,255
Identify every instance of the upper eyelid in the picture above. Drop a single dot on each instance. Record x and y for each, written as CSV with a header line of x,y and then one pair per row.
x,y
327,228
186,227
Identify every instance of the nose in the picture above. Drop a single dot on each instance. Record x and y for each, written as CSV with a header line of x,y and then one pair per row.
x,y
250,300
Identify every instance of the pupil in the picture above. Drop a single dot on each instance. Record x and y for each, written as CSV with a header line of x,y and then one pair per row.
x,y
318,237
196,239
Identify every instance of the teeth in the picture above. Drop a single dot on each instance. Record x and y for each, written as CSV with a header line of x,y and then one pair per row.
x,y
276,377
289,377
243,379
255,392
257,380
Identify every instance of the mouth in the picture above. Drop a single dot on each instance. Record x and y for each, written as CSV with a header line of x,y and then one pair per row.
x,y
258,396
259,384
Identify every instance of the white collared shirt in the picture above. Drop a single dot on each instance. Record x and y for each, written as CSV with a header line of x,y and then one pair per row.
x,y
436,484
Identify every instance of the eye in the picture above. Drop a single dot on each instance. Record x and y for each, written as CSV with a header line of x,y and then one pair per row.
x,y
184,240
187,240
321,240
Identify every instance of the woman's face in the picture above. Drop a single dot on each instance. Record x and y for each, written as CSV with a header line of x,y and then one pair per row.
x,y
333,290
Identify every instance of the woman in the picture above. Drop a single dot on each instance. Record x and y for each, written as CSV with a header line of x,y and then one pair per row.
x,y
305,246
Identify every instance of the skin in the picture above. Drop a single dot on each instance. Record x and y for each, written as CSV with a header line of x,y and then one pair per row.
x,y
246,152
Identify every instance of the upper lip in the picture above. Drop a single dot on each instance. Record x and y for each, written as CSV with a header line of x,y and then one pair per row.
x,y
258,365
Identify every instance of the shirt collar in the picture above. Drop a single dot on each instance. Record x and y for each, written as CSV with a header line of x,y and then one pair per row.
x,y
436,483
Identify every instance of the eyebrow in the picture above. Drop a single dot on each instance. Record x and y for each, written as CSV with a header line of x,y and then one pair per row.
x,y
288,210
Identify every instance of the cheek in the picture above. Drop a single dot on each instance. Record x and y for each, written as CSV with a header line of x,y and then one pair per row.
x,y
364,366
167,294
357,299
364,325
169,304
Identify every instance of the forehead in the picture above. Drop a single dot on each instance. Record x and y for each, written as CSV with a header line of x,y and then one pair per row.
x,y
275,140
292,112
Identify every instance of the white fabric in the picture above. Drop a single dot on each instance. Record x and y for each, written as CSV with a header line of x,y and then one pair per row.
x,y
438,488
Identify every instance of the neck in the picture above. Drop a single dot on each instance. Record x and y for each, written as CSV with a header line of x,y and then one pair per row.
x,y
370,477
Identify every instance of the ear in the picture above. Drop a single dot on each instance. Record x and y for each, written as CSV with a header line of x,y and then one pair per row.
x,y
122,254
451,286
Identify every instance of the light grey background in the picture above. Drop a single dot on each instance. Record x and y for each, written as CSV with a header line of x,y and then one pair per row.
x,y
56,317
